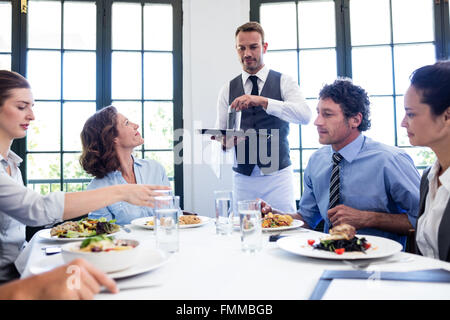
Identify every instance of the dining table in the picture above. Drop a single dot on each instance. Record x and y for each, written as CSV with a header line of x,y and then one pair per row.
x,y
209,266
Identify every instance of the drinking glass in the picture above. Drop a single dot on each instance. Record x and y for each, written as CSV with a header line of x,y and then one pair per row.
x,y
167,211
224,211
250,225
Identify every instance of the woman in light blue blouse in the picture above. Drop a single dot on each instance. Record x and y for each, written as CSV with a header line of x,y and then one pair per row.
x,y
108,139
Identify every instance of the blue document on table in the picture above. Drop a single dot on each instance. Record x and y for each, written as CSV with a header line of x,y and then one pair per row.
x,y
430,275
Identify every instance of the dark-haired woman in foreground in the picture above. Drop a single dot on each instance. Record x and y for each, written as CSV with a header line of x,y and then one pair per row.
x,y
109,139
427,121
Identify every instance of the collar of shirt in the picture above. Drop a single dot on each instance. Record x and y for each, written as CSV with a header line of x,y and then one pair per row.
x,y
136,161
11,158
444,178
261,74
350,151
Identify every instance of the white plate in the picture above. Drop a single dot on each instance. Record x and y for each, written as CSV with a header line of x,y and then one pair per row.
x,y
142,222
150,259
295,224
380,248
46,235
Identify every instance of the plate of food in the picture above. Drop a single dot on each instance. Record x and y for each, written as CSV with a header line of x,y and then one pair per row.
x,y
341,243
81,229
120,258
186,221
275,222
279,222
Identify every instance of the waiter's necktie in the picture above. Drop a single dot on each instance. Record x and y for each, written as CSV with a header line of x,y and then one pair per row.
x,y
254,80
334,181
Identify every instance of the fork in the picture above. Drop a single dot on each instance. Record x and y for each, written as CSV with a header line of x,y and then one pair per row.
x,y
365,264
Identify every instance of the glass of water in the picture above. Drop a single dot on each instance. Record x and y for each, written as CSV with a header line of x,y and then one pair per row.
x,y
224,212
250,225
167,211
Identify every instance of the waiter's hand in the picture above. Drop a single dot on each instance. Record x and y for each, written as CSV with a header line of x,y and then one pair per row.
x,y
229,142
247,101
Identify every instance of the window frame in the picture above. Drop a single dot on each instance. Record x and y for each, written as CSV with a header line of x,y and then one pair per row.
x,y
103,50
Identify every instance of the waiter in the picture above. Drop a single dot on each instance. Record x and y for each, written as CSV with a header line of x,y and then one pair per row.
x,y
262,102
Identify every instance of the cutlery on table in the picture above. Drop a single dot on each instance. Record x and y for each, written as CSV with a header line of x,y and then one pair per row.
x,y
51,250
365,264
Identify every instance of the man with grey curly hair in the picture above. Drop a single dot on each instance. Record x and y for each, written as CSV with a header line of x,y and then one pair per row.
x,y
353,179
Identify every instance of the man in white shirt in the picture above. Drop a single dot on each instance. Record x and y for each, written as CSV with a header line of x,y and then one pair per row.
x,y
265,101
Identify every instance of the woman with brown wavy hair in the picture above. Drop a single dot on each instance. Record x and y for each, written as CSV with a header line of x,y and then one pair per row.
x,y
108,139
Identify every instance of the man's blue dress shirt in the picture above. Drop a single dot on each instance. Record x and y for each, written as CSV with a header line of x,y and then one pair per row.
x,y
147,172
373,177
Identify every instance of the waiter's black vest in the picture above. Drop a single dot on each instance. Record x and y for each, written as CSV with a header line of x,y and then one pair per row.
x,y
256,118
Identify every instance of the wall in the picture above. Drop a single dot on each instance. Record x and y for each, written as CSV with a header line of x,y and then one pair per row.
x,y
209,60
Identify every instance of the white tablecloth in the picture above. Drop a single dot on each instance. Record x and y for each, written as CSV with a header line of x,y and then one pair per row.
x,y
210,266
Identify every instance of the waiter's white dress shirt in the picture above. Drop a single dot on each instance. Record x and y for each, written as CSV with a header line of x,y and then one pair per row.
x,y
20,206
435,204
276,188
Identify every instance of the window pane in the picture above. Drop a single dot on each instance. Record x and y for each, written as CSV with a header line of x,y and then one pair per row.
x,y
295,159
44,133
421,156
297,185
317,67
412,20
44,188
131,110
75,115
158,30
375,77
165,158
316,24
158,75
294,139
402,135
5,61
80,35
382,119
406,63
369,22
126,26
282,61
44,24
158,129
310,137
279,33
126,75
79,75
5,27
72,167
44,73
306,156
43,166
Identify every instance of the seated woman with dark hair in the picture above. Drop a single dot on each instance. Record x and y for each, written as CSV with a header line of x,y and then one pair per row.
x,y
427,121
108,139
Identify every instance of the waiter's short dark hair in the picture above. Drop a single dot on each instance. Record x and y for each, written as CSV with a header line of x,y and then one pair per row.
x,y
251,26
352,99
433,84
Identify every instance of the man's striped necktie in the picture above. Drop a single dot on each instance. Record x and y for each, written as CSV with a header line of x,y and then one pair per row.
x,y
334,181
